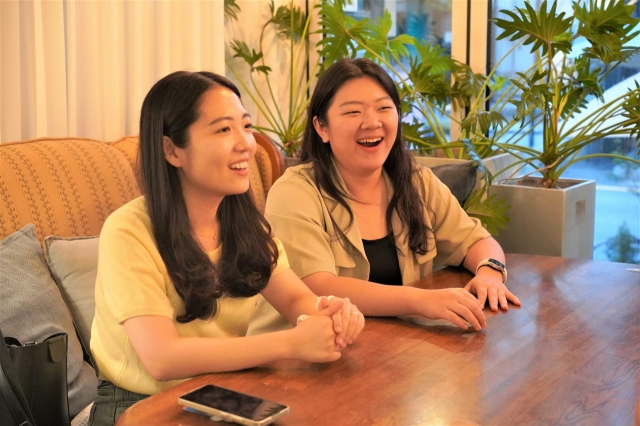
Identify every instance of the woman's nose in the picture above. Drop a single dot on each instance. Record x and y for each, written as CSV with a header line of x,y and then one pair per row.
x,y
245,140
370,119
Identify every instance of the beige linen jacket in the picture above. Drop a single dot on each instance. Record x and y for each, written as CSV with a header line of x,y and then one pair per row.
x,y
300,215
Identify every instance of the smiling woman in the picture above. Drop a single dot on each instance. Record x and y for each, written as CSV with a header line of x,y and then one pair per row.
x,y
215,161
180,268
360,212
364,112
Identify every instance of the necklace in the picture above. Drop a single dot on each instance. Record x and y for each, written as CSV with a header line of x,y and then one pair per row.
x,y
214,237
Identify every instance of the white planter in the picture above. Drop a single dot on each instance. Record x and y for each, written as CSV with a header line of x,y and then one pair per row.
x,y
552,222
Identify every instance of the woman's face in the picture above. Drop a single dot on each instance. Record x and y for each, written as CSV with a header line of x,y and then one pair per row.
x,y
215,160
361,126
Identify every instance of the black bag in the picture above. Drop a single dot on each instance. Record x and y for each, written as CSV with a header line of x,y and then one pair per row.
x,y
34,382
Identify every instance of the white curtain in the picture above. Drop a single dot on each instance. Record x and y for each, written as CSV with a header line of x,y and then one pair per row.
x,y
82,68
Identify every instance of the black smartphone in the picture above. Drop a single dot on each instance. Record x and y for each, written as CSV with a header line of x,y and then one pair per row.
x,y
233,406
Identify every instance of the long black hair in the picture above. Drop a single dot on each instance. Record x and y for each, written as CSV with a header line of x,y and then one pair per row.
x,y
249,254
399,165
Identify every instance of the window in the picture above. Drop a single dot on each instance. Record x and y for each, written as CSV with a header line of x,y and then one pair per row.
x,y
617,221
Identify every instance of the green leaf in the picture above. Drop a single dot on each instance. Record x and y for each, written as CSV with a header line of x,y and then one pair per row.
x,y
407,100
339,32
418,136
250,56
608,25
482,121
434,56
631,111
533,95
582,81
496,83
231,10
466,86
433,86
473,155
376,37
491,213
545,29
286,24
263,69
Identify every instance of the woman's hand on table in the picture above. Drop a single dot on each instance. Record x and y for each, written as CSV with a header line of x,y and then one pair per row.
x,y
488,287
452,304
314,338
347,323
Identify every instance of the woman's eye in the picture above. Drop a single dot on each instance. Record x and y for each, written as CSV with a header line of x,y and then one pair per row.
x,y
351,112
224,130
385,107
248,126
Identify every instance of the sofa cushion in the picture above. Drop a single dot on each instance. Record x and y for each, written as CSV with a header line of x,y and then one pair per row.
x,y
65,186
73,263
128,146
460,178
33,309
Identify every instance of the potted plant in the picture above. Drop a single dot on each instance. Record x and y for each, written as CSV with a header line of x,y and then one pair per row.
x,y
563,92
284,124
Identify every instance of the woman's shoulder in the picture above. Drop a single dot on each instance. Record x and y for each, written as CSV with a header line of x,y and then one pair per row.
x,y
299,176
295,190
131,215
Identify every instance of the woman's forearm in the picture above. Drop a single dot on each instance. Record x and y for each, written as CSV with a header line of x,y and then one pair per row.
x,y
167,356
481,250
371,299
290,296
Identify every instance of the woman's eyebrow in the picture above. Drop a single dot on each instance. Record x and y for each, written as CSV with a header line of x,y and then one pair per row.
x,y
227,117
382,98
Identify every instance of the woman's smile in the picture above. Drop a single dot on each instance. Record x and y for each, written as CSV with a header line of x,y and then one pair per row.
x,y
241,167
370,142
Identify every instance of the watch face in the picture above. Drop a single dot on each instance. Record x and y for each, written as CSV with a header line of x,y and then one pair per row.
x,y
495,262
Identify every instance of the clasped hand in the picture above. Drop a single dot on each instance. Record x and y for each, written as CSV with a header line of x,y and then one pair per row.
x,y
347,320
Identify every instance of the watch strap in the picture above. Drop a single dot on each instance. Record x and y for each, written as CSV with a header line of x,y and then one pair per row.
x,y
495,264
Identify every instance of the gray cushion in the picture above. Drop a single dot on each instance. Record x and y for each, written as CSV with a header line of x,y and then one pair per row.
x,y
460,178
33,309
74,265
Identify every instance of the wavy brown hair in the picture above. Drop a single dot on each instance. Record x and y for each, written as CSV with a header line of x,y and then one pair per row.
x,y
399,165
249,254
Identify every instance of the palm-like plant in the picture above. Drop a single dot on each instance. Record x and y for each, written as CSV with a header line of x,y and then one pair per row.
x,y
559,91
286,125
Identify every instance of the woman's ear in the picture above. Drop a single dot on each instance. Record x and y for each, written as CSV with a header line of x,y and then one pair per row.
x,y
321,129
170,153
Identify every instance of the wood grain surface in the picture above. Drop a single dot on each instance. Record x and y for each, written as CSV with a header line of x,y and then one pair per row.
x,y
569,355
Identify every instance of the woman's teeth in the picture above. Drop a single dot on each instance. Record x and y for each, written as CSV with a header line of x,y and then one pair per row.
x,y
240,166
370,142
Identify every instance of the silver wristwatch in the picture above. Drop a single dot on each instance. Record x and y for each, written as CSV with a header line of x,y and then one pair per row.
x,y
495,264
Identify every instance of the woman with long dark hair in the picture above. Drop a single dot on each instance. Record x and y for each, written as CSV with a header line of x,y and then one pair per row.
x,y
360,212
180,269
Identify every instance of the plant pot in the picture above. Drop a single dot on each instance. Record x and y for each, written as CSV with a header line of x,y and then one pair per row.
x,y
552,222
290,162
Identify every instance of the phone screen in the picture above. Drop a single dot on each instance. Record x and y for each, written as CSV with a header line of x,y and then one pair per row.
x,y
235,403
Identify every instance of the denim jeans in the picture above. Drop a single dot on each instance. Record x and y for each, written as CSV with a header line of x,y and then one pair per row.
x,y
110,403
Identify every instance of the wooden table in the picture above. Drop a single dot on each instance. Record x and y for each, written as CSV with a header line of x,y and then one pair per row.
x,y
570,355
